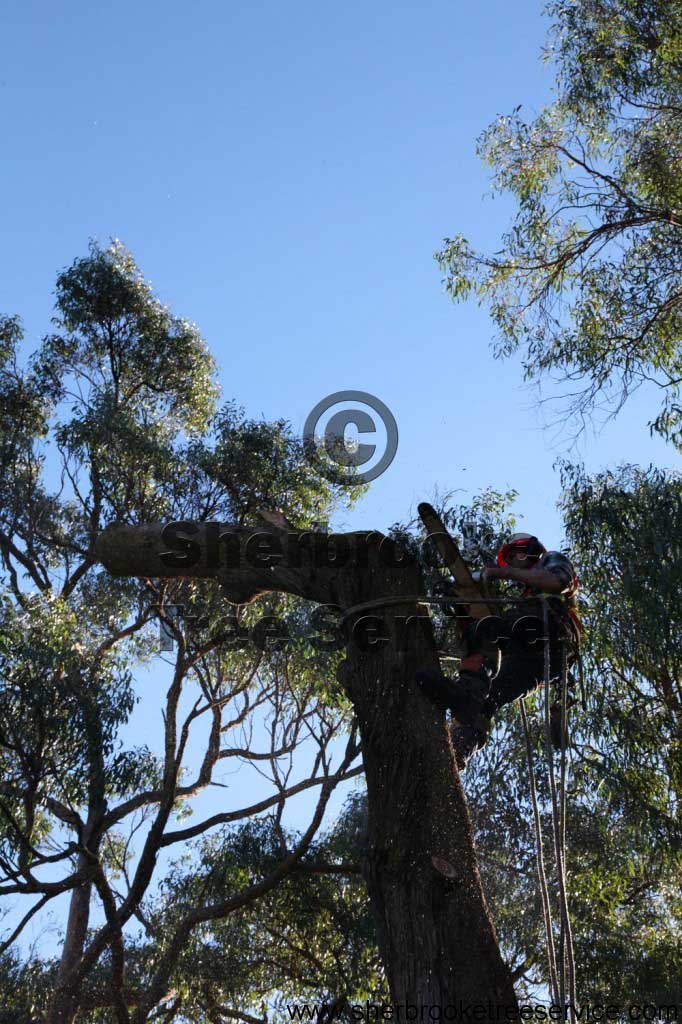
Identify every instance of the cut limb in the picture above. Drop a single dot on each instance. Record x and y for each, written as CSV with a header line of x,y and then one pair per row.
x,y
467,588
275,518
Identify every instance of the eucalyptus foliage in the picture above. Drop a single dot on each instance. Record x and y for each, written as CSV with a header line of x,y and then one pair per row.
x,y
115,417
624,825
587,281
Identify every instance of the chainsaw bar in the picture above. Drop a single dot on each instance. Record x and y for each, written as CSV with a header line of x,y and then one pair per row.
x,y
468,591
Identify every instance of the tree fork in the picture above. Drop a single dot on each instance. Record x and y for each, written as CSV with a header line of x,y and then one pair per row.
x,y
436,938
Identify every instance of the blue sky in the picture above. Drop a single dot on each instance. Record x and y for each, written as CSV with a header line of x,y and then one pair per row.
x,y
283,175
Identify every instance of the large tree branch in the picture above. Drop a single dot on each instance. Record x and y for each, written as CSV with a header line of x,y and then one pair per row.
x,y
247,561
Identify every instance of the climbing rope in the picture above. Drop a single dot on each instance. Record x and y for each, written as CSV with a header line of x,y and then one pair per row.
x,y
563,727
564,789
540,858
561,966
566,962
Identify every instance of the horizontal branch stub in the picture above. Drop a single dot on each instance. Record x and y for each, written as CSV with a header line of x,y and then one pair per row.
x,y
209,549
126,550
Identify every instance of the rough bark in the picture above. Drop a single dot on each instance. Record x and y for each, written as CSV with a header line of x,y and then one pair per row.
x,y
435,934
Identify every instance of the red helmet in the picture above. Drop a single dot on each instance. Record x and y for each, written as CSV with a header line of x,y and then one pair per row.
x,y
525,542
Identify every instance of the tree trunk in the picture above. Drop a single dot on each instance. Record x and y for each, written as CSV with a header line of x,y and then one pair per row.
x,y
436,938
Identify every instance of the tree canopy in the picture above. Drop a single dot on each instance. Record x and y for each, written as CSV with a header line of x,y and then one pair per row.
x,y
115,417
586,284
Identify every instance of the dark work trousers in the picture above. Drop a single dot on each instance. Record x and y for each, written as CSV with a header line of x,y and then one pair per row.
x,y
521,672
523,666
475,697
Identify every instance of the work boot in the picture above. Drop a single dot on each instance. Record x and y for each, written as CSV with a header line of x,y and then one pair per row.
x,y
437,687
465,696
466,740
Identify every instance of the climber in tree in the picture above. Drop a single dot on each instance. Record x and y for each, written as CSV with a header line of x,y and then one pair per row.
x,y
504,656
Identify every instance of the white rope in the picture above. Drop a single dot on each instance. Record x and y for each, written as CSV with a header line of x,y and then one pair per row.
x,y
565,938
540,858
564,755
